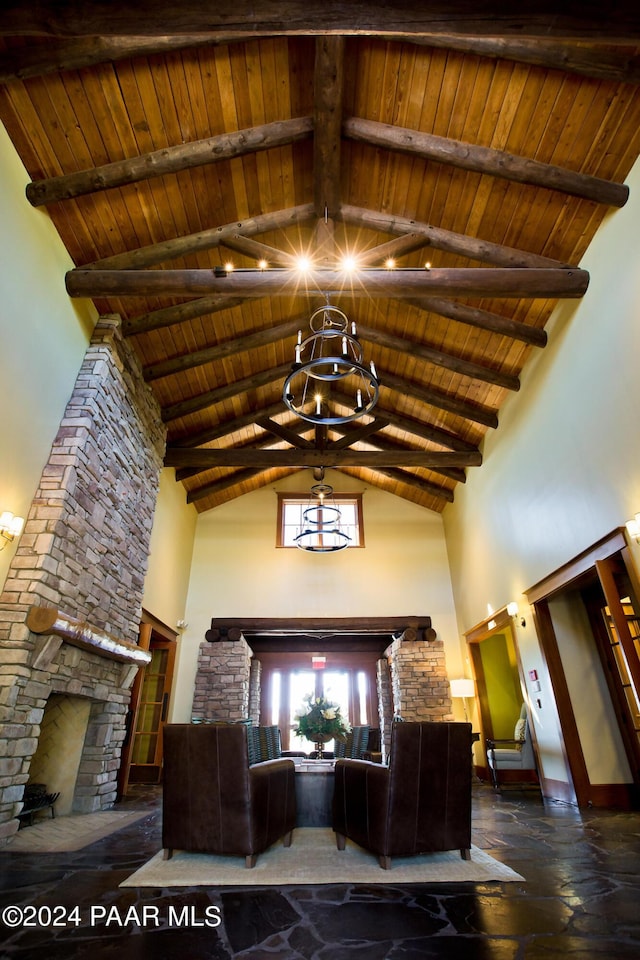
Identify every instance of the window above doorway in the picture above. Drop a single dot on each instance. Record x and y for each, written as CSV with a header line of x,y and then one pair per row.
x,y
291,507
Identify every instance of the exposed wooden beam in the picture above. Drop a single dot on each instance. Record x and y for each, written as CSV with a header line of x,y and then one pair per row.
x,y
260,251
426,430
495,163
618,20
473,316
284,433
457,243
443,401
328,81
424,486
359,434
470,282
465,368
155,253
216,487
587,60
353,436
398,247
221,351
168,316
183,156
227,427
233,457
184,407
41,59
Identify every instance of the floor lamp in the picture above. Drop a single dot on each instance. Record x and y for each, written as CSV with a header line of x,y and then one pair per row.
x,y
463,689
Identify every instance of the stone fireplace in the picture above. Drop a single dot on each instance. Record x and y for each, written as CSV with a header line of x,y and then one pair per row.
x,y
71,605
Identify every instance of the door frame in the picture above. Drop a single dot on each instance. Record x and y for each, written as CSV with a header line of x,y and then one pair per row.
x,y
591,562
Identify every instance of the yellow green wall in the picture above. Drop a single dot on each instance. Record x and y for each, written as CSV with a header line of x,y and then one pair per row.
x,y
43,337
563,468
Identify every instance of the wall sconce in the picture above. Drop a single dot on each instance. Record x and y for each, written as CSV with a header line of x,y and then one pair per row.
x,y
633,527
10,527
462,689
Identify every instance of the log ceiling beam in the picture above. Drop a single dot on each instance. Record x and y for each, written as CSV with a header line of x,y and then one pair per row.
x,y
458,244
183,156
381,443
442,401
234,457
284,433
228,427
618,20
209,399
619,65
216,487
473,316
328,82
486,160
459,365
424,486
155,253
179,313
222,351
467,282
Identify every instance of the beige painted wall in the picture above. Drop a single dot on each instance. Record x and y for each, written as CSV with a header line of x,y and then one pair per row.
x,y
43,335
563,468
167,579
237,570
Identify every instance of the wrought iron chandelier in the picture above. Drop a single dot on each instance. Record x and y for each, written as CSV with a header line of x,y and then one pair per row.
x,y
321,531
328,373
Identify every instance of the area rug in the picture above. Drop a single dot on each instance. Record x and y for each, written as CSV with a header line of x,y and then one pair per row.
x,y
66,834
314,858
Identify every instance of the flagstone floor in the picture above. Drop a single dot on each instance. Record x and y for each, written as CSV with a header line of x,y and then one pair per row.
x,y
580,899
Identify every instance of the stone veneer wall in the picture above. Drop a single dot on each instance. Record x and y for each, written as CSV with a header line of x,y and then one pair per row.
x,y
419,680
84,549
222,681
385,705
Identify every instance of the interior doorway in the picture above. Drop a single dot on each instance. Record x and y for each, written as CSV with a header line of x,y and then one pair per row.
x,y
500,688
588,624
141,759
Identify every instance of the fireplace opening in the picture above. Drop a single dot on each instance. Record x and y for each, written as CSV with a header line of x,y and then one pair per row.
x,y
56,761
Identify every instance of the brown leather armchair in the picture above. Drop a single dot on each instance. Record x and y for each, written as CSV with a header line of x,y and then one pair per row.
x,y
420,803
214,802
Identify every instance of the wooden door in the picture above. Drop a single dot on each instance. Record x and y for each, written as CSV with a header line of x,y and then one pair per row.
x,y
146,743
619,646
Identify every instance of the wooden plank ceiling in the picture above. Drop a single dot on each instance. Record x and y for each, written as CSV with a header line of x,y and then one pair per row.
x,y
162,157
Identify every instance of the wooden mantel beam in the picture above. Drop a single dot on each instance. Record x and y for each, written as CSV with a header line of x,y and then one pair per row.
x,y
234,457
617,20
470,282
328,80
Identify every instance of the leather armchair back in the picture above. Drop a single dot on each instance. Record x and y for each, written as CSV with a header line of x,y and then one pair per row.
x,y
213,801
420,803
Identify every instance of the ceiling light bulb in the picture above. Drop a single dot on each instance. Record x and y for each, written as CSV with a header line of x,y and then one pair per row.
x,y
349,263
262,264
303,264
427,265
228,266
390,263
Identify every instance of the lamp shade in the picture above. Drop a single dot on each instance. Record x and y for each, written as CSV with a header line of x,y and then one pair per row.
x,y
462,688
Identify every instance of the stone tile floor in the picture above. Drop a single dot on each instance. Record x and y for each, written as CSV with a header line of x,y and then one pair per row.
x,y
580,899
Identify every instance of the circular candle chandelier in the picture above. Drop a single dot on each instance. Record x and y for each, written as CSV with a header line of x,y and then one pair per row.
x,y
321,531
328,372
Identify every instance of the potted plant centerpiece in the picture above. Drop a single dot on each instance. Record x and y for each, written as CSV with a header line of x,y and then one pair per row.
x,y
320,722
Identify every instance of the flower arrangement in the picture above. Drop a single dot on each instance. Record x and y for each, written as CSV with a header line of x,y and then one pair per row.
x,y
321,721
